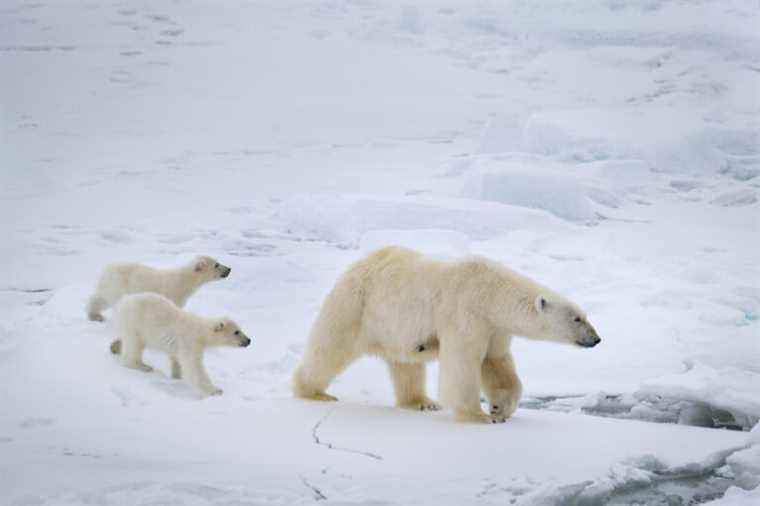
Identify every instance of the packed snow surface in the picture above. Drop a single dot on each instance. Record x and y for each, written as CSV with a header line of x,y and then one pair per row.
x,y
610,150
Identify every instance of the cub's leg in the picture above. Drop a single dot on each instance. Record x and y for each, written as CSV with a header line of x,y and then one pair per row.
x,y
132,348
95,307
176,368
500,381
195,374
409,385
459,381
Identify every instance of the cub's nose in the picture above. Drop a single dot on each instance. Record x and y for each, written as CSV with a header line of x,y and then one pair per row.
x,y
597,340
245,342
226,272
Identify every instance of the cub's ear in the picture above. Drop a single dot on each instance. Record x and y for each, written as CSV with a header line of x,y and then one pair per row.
x,y
219,327
541,304
200,265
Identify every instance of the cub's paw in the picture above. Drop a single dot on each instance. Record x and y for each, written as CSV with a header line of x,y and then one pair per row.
x,y
216,391
425,404
321,396
139,366
94,317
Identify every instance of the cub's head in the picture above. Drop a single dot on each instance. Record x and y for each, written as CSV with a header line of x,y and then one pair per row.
x,y
563,321
209,269
227,333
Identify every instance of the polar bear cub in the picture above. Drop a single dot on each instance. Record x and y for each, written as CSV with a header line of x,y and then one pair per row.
x,y
409,309
176,284
150,320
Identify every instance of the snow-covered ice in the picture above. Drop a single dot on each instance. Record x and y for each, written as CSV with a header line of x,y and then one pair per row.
x,y
608,149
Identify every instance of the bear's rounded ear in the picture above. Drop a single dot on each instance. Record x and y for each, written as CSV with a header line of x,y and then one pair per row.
x,y
219,327
200,265
540,304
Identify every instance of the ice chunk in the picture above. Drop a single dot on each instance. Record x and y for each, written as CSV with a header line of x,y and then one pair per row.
x,y
745,466
730,389
549,190
736,496
642,480
736,198
343,219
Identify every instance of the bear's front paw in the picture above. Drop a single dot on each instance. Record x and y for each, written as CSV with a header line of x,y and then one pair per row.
x,y
503,404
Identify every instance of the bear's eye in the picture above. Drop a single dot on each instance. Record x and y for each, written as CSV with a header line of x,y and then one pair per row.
x,y
577,319
237,332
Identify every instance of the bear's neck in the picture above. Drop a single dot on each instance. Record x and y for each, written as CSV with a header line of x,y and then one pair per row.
x,y
184,282
525,320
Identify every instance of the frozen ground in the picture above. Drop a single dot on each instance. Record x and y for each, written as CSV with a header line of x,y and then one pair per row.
x,y
608,149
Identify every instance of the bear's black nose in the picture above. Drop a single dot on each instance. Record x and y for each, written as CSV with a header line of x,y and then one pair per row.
x,y
597,340
245,342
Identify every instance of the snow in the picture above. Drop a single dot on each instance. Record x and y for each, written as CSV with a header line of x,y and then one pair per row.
x,y
610,150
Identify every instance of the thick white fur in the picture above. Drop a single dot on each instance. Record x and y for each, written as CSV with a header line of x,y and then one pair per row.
x,y
149,320
464,313
176,284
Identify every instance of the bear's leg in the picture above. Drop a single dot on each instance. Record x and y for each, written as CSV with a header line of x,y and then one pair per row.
x,y
195,374
333,342
317,371
409,385
461,360
500,382
176,368
95,306
321,365
131,353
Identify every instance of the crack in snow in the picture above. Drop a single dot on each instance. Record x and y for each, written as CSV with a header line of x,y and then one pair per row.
x,y
26,290
318,495
331,446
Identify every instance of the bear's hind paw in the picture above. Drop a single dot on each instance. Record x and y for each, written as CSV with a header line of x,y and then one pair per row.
x,y
480,418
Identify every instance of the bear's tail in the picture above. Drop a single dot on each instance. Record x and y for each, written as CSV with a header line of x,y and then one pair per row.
x,y
116,347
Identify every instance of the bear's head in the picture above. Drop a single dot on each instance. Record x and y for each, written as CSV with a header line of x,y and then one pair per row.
x,y
208,269
561,320
226,332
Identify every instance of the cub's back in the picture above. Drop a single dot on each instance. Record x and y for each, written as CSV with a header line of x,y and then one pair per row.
x,y
145,311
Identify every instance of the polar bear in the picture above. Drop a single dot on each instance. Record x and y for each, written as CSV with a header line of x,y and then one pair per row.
x,y
150,320
177,284
409,309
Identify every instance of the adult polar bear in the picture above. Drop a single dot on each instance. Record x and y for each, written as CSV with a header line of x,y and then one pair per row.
x,y
409,309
